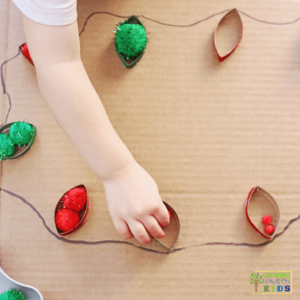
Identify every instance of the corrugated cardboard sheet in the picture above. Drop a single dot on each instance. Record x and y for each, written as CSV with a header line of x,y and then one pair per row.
x,y
207,132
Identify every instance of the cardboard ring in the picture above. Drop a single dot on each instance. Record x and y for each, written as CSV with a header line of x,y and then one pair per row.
x,y
274,204
82,214
21,150
231,14
174,218
130,63
25,51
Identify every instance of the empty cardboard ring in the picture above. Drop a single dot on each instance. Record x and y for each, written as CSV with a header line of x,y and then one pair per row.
x,y
228,34
82,214
272,201
170,239
25,51
130,62
19,150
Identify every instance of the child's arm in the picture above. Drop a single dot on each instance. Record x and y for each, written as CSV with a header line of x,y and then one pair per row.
x,y
132,195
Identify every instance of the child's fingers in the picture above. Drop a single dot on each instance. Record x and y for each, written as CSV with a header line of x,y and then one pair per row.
x,y
139,231
152,227
162,216
123,229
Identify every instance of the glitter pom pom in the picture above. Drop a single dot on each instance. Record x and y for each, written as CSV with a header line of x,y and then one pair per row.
x,y
75,199
12,295
266,219
7,147
66,219
269,229
21,133
131,39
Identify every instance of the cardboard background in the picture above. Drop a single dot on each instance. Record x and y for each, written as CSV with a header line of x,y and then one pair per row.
x,y
206,132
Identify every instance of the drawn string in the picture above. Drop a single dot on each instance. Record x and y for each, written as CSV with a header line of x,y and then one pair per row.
x,y
125,17
81,242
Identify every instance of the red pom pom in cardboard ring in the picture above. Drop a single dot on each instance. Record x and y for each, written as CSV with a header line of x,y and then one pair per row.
x,y
75,199
266,219
66,219
269,229
266,196
82,214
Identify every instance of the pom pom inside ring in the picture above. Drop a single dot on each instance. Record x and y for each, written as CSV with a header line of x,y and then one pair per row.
x,y
82,213
129,62
19,150
257,204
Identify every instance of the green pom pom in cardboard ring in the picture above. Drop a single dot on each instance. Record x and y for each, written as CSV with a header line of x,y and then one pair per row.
x,y
21,133
7,146
19,150
131,39
130,62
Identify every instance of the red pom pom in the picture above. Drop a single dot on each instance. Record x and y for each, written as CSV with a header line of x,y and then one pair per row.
x,y
266,219
170,214
66,219
75,199
269,229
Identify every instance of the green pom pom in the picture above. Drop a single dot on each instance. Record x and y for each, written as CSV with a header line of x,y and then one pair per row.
x,y
7,147
21,133
12,295
131,39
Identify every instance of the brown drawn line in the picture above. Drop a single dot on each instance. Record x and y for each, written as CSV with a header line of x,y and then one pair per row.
x,y
267,22
188,25
4,87
118,16
100,12
81,242
245,14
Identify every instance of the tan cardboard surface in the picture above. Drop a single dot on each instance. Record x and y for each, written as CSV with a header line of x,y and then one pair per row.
x,y
206,131
3,56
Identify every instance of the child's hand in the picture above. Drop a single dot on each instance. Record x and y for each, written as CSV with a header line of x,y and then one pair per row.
x,y
135,205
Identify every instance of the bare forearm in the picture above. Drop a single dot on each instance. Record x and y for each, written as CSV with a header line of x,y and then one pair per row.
x,y
72,99
80,113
